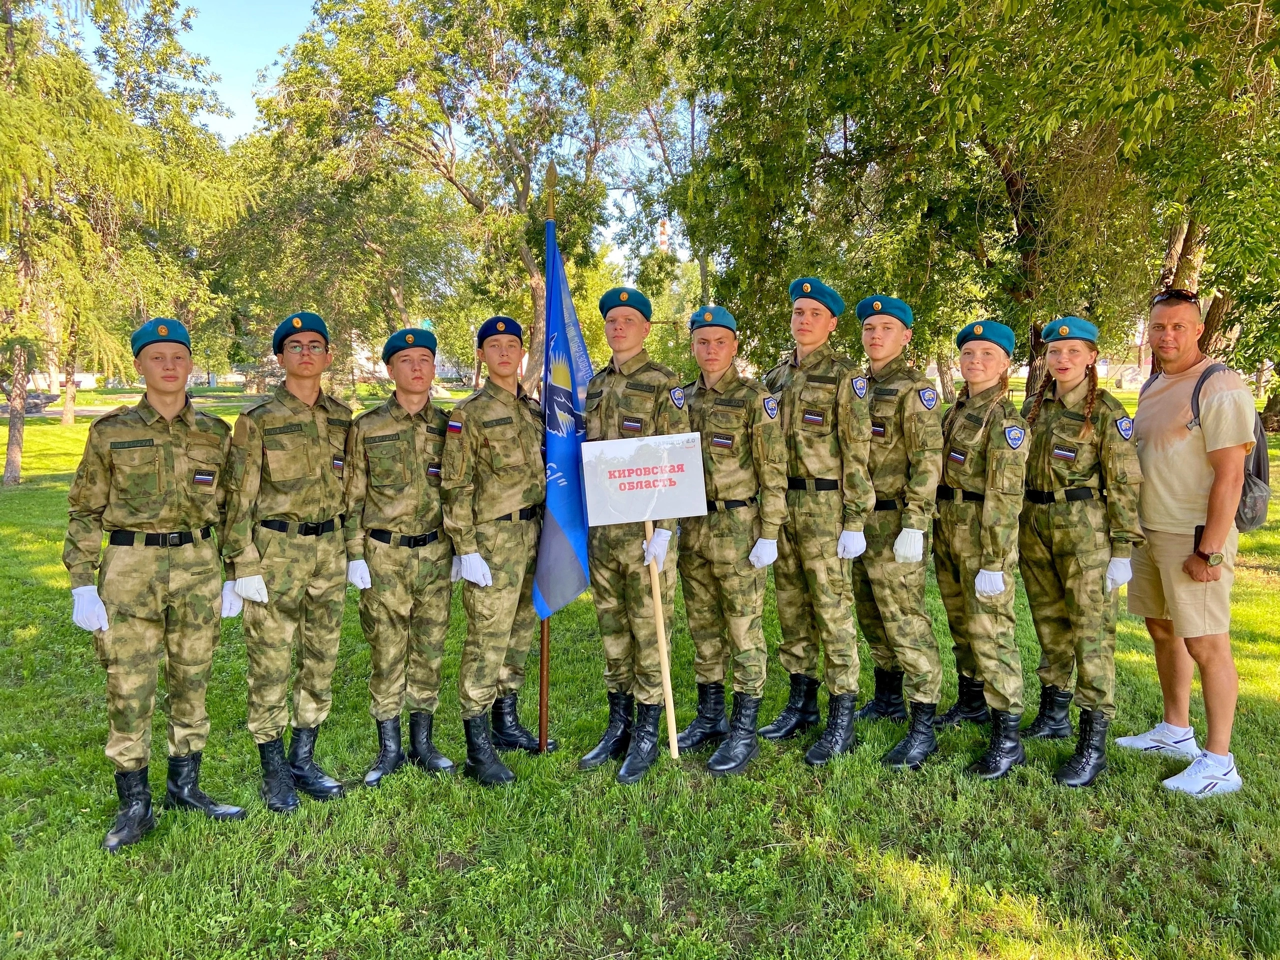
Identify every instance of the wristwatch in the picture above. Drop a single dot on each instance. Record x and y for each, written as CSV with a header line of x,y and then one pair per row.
x,y
1212,559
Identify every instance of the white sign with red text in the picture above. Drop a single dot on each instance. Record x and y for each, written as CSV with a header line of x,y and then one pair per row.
x,y
647,478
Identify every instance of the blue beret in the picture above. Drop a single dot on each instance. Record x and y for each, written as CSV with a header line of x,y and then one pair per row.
x,y
625,297
712,317
496,325
990,331
1070,328
298,323
159,330
886,306
814,289
407,339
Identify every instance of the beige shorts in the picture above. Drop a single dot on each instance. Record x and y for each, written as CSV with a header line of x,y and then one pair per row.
x,y
1162,591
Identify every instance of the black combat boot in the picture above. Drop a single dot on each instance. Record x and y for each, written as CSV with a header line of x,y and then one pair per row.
x,y
710,725
277,779
422,751
741,746
1053,722
644,744
970,706
800,713
617,734
307,775
183,791
887,704
390,753
838,738
1005,751
133,818
1090,758
483,764
915,748
509,733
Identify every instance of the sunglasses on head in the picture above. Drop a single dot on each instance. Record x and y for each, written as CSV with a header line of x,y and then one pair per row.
x,y
1181,296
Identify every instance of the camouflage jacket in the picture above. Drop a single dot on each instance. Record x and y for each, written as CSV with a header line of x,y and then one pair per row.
x,y
493,463
143,473
906,440
825,422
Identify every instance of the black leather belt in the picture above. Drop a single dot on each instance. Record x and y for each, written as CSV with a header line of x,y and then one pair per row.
x,y
800,483
403,539
950,493
524,513
714,505
303,529
180,538
888,504
1075,493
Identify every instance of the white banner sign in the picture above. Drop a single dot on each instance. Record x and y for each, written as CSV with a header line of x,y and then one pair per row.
x,y
648,478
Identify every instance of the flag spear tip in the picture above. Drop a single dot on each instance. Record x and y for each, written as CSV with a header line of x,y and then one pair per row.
x,y
549,185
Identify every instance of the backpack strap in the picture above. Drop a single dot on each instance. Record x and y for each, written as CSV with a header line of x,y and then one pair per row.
x,y
1148,382
1209,371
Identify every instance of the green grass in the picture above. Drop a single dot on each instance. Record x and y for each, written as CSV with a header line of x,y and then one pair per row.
x,y
851,861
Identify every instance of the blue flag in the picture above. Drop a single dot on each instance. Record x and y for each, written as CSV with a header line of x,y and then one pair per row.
x,y
561,574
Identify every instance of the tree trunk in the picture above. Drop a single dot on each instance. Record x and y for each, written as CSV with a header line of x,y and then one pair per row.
x,y
1191,258
17,416
1215,322
1172,253
945,380
476,374
703,280
538,295
69,370
1260,380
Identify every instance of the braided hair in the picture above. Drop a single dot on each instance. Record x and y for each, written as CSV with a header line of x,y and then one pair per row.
x,y
1090,401
1045,384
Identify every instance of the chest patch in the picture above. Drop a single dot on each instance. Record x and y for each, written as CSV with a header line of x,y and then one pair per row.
x,y
1015,436
337,465
957,456
860,386
677,397
815,417
131,444
929,397
204,478
771,408
433,470
877,428
1124,427
722,440
1063,452
634,424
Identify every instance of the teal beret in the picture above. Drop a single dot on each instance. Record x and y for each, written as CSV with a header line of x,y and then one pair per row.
x,y
886,306
298,323
406,340
625,297
990,331
496,325
814,289
712,317
1070,328
159,330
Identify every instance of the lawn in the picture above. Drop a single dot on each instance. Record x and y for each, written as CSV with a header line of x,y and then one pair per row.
x,y
850,861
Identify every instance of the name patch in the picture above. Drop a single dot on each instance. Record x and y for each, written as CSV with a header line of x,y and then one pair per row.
x,y
642,387
384,438
815,417
634,424
730,402
499,422
286,428
1061,452
722,440
974,419
204,478
130,444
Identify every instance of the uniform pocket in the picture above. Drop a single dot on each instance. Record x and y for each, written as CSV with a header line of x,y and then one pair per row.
x,y
816,410
387,466
884,421
591,416
504,446
135,472
206,465
288,457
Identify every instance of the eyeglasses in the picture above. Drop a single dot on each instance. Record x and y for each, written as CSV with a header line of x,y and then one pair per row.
x,y
315,349
1173,293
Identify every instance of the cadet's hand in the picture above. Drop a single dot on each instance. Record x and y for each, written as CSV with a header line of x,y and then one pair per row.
x,y
655,549
358,574
989,583
87,610
909,547
1119,572
763,553
231,602
252,588
455,573
475,570
851,545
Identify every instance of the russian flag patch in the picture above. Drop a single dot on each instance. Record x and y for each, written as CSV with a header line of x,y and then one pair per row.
x,y
957,456
721,440
877,428
204,477
634,424
455,426
433,469
1064,453
815,416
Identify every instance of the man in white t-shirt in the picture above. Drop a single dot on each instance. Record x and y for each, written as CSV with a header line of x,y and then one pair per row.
x,y
1182,575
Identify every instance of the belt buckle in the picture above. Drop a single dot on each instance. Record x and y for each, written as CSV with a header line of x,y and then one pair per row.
x,y
175,539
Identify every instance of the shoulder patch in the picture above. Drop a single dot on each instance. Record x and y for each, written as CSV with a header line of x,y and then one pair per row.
x,y
455,426
771,407
1124,426
1015,435
677,397
929,397
859,386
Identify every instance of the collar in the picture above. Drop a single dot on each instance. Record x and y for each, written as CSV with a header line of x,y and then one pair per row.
x,y
150,415
986,397
632,365
727,380
397,410
495,392
894,368
824,352
1075,396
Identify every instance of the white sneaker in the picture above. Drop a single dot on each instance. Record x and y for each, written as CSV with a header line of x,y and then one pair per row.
x,y
1204,777
1161,739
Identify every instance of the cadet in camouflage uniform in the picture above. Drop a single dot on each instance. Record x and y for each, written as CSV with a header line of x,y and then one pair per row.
x,y
724,554
285,537
829,497
494,484
152,479
888,580
975,542
631,397
398,553
1081,511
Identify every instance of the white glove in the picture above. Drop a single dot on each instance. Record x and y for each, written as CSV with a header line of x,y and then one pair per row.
x,y
909,547
475,570
252,588
989,583
455,573
1119,572
851,545
763,553
232,603
358,574
87,610
655,549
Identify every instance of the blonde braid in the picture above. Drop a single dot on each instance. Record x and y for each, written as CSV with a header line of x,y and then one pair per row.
x,y
1090,401
1040,394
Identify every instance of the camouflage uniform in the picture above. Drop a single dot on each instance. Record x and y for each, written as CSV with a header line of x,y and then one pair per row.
x,y
638,399
744,461
827,431
494,483
984,456
1064,546
393,487
287,468
145,475
906,462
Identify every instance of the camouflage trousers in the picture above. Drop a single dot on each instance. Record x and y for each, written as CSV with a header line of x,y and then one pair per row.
x,y
500,618
1063,552
405,616
624,608
724,597
812,586
163,604
982,628
889,598
301,621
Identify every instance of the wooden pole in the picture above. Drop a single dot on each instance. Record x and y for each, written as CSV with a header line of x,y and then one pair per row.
x,y
663,664
544,684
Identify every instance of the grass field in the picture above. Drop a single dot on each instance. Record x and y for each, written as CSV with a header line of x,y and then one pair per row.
x,y
851,861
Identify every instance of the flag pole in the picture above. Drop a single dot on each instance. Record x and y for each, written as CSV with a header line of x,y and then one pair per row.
x,y
544,643
664,666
